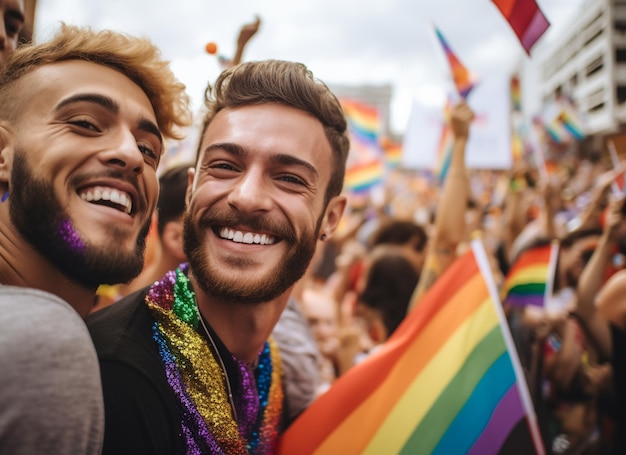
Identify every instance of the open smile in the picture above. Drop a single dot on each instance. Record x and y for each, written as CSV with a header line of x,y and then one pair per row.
x,y
245,237
110,197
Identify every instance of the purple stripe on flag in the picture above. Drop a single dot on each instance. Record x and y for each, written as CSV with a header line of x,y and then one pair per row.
x,y
523,300
506,415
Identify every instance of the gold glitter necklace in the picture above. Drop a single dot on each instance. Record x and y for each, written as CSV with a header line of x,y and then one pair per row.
x,y
229,389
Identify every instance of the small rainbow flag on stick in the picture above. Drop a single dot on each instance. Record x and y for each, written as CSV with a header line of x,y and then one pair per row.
x,y
531,277
525,18
464,80
448,381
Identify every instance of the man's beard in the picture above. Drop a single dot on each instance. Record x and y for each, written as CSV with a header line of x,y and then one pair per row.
x,y
237,287
38,215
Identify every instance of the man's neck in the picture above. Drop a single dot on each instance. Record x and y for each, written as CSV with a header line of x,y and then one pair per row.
x,y
21,265
243,328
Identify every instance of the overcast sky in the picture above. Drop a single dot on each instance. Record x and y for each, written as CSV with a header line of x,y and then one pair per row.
x,y
341,41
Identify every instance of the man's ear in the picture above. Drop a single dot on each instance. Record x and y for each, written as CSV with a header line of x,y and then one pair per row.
x,y
172,239
6,152
334,211
191,172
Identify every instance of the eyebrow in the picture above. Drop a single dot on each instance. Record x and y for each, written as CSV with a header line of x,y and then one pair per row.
x,y
110,105
16,14
278,158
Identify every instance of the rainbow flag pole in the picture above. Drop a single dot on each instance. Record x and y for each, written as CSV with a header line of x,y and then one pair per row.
x,y
616,163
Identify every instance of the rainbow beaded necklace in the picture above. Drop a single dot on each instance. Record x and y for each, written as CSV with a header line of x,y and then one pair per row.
x,y
198,381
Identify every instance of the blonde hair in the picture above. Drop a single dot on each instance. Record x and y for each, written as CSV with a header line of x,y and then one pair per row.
x,y
137,58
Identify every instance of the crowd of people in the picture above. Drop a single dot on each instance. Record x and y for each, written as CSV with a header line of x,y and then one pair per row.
x,y
205,318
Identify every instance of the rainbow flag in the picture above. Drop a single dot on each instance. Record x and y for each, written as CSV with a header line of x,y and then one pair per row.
x,y
571,119
530,279
525,18
363,176
363,121
571,125
448,381
366,162
393,153
464,80
516,95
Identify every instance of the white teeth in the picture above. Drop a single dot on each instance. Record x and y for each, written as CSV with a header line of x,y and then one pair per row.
x,y
248,237
109,194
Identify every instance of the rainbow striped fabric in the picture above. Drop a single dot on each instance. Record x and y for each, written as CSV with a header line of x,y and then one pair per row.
x,y
366,162
393,153
464,80
572,126
448,381
525,18
530,279
445,145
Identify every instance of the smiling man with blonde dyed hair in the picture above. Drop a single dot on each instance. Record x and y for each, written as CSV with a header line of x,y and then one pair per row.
x,y
82,123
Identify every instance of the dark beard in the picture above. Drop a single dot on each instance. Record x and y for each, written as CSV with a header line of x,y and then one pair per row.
x,y
238,289
39,217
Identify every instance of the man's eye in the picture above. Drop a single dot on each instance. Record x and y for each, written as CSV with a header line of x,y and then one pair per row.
x,y
292,179
148,152
12,29
86,124
224,166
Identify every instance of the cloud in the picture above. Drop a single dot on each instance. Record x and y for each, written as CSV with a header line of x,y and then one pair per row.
x,y
342,41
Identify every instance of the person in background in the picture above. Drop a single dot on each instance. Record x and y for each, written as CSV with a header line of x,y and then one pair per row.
x,y
12,13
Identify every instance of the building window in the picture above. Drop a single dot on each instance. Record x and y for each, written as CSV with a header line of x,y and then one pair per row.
x,y
620,55
597,107
594,66
621,94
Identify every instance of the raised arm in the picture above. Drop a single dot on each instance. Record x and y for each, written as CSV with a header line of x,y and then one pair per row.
x,y
450,217
592,280
246,32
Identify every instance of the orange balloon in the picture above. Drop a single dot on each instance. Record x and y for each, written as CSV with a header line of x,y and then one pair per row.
x,y
211,48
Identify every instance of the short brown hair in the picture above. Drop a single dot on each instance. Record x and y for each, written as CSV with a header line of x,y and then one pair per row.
x,y
290,84
137,58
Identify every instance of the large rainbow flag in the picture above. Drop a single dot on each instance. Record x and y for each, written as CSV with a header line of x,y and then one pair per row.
x,y
366,162
464,80
448,381
531,277
525,18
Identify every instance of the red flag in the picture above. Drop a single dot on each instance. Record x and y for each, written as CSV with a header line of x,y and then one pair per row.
x,y
526,19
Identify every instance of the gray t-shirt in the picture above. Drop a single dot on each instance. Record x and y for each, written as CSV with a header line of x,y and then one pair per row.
x,y
50,389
